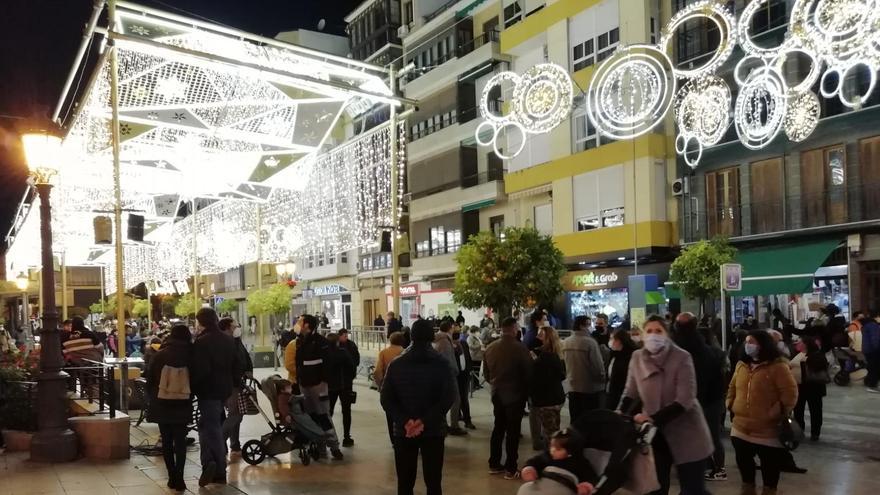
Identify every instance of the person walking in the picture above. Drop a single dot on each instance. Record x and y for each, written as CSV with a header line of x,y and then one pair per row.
x,y
709,368
213,376
810,370
661,377
386,356
622,349
348,397
234,414
443,343
463,357
508,369
547,395
341,370
417,391
871,350
585,369
168,385
394,324
762,393
459,320
311,374
475,347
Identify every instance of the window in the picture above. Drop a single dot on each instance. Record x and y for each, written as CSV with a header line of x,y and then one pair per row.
x,y
594,50
722,203
544,219
408,13
869,164
512,14
311,260
438,241
582,55
767,186
343,257
823,186
423,248
496,225
331,259
599,199
453,241
584,134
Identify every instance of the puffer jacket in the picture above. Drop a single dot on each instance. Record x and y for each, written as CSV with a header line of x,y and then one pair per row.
x,y
583,363
758,396
418,385
214,365
176,354
549,372
311,359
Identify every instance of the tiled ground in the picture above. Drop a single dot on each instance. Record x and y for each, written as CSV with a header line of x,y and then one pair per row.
x,y
846,460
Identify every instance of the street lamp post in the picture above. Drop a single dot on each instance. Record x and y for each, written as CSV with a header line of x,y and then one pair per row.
x,y
54,441
22,283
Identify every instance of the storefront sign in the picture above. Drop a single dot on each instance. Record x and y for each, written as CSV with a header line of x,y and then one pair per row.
x,y
329,290
409,290
731,276
594,280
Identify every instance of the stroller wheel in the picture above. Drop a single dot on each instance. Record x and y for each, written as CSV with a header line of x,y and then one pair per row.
x,y
313,451
252,452
305,457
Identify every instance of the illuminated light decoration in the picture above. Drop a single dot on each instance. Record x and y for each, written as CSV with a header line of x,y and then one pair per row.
x,y
714,12
745,38
855,101
542,99
778,63
802,116
681,147
701,112
760,108
631,92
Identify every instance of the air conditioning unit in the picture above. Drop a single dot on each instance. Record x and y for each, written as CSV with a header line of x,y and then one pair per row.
x,y
402,31
680,187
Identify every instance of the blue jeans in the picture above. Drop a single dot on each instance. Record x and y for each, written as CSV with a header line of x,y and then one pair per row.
x,y
213,447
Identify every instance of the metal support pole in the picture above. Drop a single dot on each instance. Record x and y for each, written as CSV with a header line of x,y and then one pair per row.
x,y
195,260
723,310
260,319
103,292
395,261
26,322
117,208
64,301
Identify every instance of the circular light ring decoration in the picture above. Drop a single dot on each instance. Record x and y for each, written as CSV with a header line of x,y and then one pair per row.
x,y
496,80
681,147
715,12
802,116
702,108
823,89
845,74
741,72
631,92
807,82
745,38
841,30
481,128
543,98
522,142
760,108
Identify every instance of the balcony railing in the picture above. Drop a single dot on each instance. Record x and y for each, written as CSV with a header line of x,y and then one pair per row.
x,y
463,182
838,206
460,51
451,118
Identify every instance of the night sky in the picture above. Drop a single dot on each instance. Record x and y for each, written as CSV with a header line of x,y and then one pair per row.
x,y
40,38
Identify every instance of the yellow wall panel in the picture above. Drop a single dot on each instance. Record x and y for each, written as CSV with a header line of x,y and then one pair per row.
x,y
541,21
614,239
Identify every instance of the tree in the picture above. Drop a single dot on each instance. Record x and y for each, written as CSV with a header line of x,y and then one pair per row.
x,y
110,305
140,308
187,306
226,306
273,300
697,270
518,270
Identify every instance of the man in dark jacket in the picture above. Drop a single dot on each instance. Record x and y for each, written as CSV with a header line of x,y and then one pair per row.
x,y
213,377
234,414
507,366
311,376
346,393
416,393
871,349
394,324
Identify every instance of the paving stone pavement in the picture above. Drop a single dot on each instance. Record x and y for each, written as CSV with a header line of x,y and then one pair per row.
x,y
845,460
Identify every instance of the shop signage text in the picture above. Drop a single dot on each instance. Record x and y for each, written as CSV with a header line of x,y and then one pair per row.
x,y
409,290
592,279
329,290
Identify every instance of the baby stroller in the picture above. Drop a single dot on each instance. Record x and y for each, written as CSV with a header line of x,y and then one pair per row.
x,y
291,429
852,365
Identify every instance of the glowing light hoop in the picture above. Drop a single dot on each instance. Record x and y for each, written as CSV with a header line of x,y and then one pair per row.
x,y
496,80
802,116
716,13
555,83
522,143
701,109
862,97
815,73
764,91
745,38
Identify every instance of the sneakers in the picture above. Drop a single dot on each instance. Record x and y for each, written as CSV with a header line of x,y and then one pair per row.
x,y
719,475
336,454
348,442
496,469
511,475
208,472
873,390
457,432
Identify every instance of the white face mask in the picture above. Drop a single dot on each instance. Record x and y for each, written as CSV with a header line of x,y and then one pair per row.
x,y
236,334
655,343
637,339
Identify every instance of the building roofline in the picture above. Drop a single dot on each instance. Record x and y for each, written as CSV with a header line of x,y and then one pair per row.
x,y
358,10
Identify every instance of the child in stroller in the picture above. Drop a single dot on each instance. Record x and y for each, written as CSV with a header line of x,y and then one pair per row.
x,y
292,429
562,469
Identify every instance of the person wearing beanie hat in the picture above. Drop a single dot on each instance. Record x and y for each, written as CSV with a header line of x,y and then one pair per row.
x,y
417,392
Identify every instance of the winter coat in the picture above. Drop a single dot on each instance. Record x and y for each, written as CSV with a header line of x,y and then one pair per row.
x,y
583,363
463,358
418,385
215,365
618,369
245,363
548,375
311,359
355,354
508,366
394,325
340,366
176,354
709,369
290,361
475,347
443,344
666,386
760,395
870,336
385,357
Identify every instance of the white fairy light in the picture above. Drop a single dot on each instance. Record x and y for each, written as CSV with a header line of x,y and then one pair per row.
x,y
631,92
701,109
802,116
714,12
760,108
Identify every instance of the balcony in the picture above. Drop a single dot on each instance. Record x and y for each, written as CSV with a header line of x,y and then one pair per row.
x,y
836,209
448,119
467,56
485,186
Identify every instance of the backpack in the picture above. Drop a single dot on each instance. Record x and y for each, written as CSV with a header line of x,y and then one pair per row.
x,y
174,383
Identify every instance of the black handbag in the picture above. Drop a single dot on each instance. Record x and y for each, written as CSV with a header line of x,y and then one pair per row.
x,y
353,396
790,433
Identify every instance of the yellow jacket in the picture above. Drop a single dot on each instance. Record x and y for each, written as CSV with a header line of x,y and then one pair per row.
x,y
760,396
385,357
290,361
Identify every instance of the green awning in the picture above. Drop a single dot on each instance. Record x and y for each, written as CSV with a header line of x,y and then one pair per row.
x,y
466,11
787,269
477,205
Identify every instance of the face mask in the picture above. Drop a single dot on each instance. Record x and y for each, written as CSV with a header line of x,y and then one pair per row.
x,y
781,346
655,343
637,339
616,346
236,334
752,350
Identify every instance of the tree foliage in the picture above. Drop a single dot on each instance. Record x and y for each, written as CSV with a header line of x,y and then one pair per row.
x,y
140,308
697,270
519,270
110,305
187,306
273,300
226,306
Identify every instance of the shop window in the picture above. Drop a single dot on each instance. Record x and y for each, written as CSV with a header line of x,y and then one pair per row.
x,y
823,186
599,199
722,203
453,241
438,241
423,248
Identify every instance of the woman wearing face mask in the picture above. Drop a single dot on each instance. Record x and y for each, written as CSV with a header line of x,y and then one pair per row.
x,y
234,414
762,392
635,334
622,349
810,370
661,376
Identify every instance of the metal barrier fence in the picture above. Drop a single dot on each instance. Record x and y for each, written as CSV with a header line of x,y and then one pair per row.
x,y
93,382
